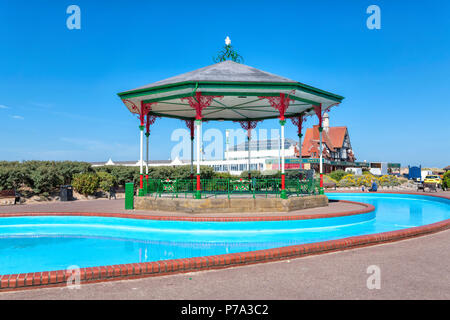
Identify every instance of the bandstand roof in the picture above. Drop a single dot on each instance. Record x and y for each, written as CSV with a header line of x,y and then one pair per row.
x,y
238,88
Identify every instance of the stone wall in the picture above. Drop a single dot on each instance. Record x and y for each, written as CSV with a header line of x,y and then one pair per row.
x,y
217,205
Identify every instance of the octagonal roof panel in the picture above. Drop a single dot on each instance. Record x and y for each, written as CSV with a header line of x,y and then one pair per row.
x,y
222,72
238,91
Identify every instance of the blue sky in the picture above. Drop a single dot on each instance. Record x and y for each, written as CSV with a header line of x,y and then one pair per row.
x,y
58,86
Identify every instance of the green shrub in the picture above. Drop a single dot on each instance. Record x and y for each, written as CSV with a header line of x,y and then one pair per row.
x,y
179,172
11,177
44,179
271,174
122,174
292,174
347,181
446,180
254,173
86,183
224,175
107,181
337,175
328,179
67,169
366,180
388,181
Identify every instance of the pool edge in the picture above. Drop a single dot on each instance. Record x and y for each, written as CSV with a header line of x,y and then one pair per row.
x,y
366,208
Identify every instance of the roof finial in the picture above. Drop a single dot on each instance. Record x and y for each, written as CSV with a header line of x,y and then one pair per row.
x,y
228,53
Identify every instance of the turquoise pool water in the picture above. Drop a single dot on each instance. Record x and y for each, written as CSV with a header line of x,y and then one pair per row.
x,y
46,243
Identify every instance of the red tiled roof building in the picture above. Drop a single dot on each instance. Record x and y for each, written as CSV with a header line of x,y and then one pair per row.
x,y
336,143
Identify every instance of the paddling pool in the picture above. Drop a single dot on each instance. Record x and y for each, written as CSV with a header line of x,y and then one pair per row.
x,y
46,243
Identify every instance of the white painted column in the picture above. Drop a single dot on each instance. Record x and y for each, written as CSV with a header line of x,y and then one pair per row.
x,y
192,155
146,157
141,152
199,140
249,139
320,149
199,143
282,148
300,149
141,159
283,194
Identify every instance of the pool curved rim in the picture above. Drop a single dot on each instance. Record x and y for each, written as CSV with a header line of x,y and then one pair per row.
x,y
366,208
166,267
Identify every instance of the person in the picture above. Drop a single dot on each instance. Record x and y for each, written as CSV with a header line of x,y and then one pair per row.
x,y
374,187
17,196
112,193
362,188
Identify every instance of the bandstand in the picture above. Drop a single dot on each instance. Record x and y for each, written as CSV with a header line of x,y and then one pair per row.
x,y
226,91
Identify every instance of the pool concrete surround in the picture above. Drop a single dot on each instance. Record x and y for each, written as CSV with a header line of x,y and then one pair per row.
x,y
225,205
165,267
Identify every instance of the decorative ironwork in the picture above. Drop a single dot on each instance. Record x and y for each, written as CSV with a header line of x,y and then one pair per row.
x,y
228,187
199,102
190,125
142,113
248,125
150,120
280,103
240,185
319,111
298,122
130,104
228,53
145,109
327,109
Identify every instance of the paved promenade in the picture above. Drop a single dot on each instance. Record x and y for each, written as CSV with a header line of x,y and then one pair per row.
x,y
417,268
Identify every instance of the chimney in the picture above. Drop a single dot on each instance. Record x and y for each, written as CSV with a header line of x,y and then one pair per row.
x,y
326,122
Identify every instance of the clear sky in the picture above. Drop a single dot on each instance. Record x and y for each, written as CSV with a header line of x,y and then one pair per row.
x,y
58,86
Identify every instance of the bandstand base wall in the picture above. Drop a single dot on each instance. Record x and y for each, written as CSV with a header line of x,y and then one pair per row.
x,y
225,205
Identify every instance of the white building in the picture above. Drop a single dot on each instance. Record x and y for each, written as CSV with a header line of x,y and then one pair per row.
x,y
236,157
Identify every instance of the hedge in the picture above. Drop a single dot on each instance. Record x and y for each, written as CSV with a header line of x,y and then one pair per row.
x,y
43,177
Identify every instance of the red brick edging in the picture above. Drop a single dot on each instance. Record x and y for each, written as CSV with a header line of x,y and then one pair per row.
x,y
164,267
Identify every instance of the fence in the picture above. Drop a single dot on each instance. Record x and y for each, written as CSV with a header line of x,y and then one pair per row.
x,y
230,187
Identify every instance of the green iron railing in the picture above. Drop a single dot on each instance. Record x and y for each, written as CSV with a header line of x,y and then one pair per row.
x,y
230,187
